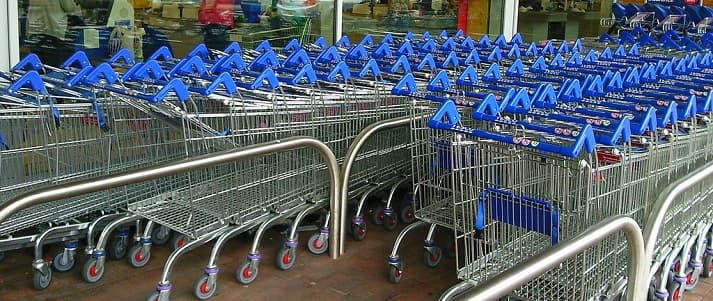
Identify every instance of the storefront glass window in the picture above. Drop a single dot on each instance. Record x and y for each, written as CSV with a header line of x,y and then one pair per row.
x,y
54,29
562,19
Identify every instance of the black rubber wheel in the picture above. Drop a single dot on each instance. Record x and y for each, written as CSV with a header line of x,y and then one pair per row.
x,y
359,231
136,258
62,265
395,273
245,274
91,273
315,246
160,235
432,258
285,258
118,248
204,289
41,282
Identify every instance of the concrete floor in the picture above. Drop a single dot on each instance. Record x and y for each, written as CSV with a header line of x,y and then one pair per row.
x,y
360,275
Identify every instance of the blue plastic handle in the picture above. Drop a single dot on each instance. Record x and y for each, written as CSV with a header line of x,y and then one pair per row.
x,y
564,48
577,47
104,71
305,74
666,71
382,51
620,52
495,55
693,65
501,42
161,54
616,83
266,77
31,80
487,107
409,36
234,47
467,44
595,88
557,63
492,74
77,78
124,55
340,70
193,66
329,55
150,69
545,94
439,82
407,48
320,42
426,35
516,69
367,40
681,67
357,52
388,39
532,50
591,57
575,60
445,117
343,42
469,77
539,66
292,46
225,80
176,86
460,33
626,38
267,59
514,53
705,60
298,58
400,64
516,39
451,60
484,42
632,78
473,58
79,60
3,143
690,108
519,99
548,48
606,54
129,74
264,46
449,45
427,61
572,92
31,60
370,67
201,51
405,86
443,34
234,62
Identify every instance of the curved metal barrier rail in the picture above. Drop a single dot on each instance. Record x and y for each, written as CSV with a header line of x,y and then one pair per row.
x,y
72,189
506,282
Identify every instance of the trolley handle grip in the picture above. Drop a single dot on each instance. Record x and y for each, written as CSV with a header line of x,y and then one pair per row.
x,y
292,46
632,78
225,80
357,52
443,34
564,48
320,42
161,54
150,69
426,35
200,51
516,39
105,71
176,86
439,83
616,83
409,36
514,53
448,45
264,47
193,65
467,44
557,63
129,74
473,58
495,55
305,74
124,55
406,86
407,49
517,99
328,55
371,67
389,39
469,77
383,50
298,58
343,42
367,40
487,108
484,42
570,91
340,70
451,59
428,46
31,80
234,62
78,77
539,66
31,60
79,59
548,48
500,41
233,48
400,63
574,61
492,74
266,77
532,50
516,69
267,59
427,60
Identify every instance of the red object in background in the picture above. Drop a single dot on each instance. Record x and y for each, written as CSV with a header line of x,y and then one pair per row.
x,y
463,15
219,12
692,2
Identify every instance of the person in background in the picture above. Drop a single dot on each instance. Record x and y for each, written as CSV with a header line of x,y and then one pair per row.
x,y
217,18
47,22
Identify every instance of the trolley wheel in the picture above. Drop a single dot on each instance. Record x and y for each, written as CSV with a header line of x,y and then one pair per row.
x,y
377,215
692,278
204,289
285,258
395,273
707,266
91,272
432,258
359,231
41,282
406,214
391,222
160,235
245,274
136,258
153,297
61,264
179,240
117,248
315,246
675,291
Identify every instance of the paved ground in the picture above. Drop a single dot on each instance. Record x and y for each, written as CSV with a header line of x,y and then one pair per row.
x,y
360,275
702,292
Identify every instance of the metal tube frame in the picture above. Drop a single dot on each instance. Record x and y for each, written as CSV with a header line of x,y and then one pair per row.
x,y
76,188
349,159
506,282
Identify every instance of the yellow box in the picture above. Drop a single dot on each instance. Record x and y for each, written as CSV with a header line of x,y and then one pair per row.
x,y
190,13
171,11
141,3
380,10
361,9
